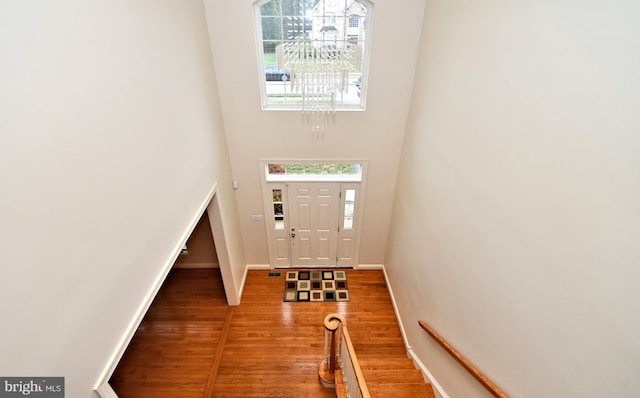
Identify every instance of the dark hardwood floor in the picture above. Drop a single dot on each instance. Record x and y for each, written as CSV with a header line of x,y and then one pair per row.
x,y
191,344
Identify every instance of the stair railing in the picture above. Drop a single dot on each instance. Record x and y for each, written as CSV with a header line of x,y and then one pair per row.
x,y
340,358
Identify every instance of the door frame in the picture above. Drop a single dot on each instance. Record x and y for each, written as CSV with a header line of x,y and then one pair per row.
x,y
278,240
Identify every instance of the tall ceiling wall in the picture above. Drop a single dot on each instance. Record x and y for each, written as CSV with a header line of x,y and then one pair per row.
x,y
517,216
375,134
111,139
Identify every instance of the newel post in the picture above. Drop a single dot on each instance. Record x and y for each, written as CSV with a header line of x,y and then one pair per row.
x,y
332,324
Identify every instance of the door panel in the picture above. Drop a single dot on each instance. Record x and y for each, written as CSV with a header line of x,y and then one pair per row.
x,y
314,223
345,248
304,249
324,249
302,215
282,248
324,216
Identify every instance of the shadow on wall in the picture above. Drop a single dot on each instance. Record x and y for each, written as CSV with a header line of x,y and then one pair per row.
x,y
201,251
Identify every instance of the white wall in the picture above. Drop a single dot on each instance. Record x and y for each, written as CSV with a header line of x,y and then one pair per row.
x,y
517,220
110,139
374,135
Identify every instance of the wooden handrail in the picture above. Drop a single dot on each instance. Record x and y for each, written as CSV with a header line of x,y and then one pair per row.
x,y
356,364
482,379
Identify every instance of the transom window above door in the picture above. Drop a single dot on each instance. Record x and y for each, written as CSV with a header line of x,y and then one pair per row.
x,y
282,172
313,53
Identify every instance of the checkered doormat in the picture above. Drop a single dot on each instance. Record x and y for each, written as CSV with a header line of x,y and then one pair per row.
x,y
316,286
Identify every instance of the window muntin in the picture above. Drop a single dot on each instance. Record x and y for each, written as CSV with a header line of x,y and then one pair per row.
x,y
332,25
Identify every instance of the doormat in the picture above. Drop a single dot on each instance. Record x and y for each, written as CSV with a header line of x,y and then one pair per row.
x,y
316,286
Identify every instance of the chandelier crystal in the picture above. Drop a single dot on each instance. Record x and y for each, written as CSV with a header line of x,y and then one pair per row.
x,y
320,63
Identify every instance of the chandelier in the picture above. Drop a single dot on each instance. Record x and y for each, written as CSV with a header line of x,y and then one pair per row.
x,y
320,63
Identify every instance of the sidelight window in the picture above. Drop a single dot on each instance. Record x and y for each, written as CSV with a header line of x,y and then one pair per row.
x,y
349,208
278,208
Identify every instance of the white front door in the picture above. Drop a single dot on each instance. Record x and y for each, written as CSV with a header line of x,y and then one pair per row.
x,y
313,223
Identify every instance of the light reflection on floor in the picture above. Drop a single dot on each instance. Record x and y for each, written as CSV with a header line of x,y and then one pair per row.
x,y
285,313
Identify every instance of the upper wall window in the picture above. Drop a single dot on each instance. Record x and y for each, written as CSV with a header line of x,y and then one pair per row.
x,y
313,53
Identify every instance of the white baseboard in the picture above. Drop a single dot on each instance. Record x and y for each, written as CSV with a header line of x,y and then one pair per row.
x,y
260,267
439,391
437,388
369,266
197,265
264,267
105,391
407,346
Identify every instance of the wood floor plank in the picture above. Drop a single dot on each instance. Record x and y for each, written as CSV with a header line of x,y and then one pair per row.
x,y
173,349
266,347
